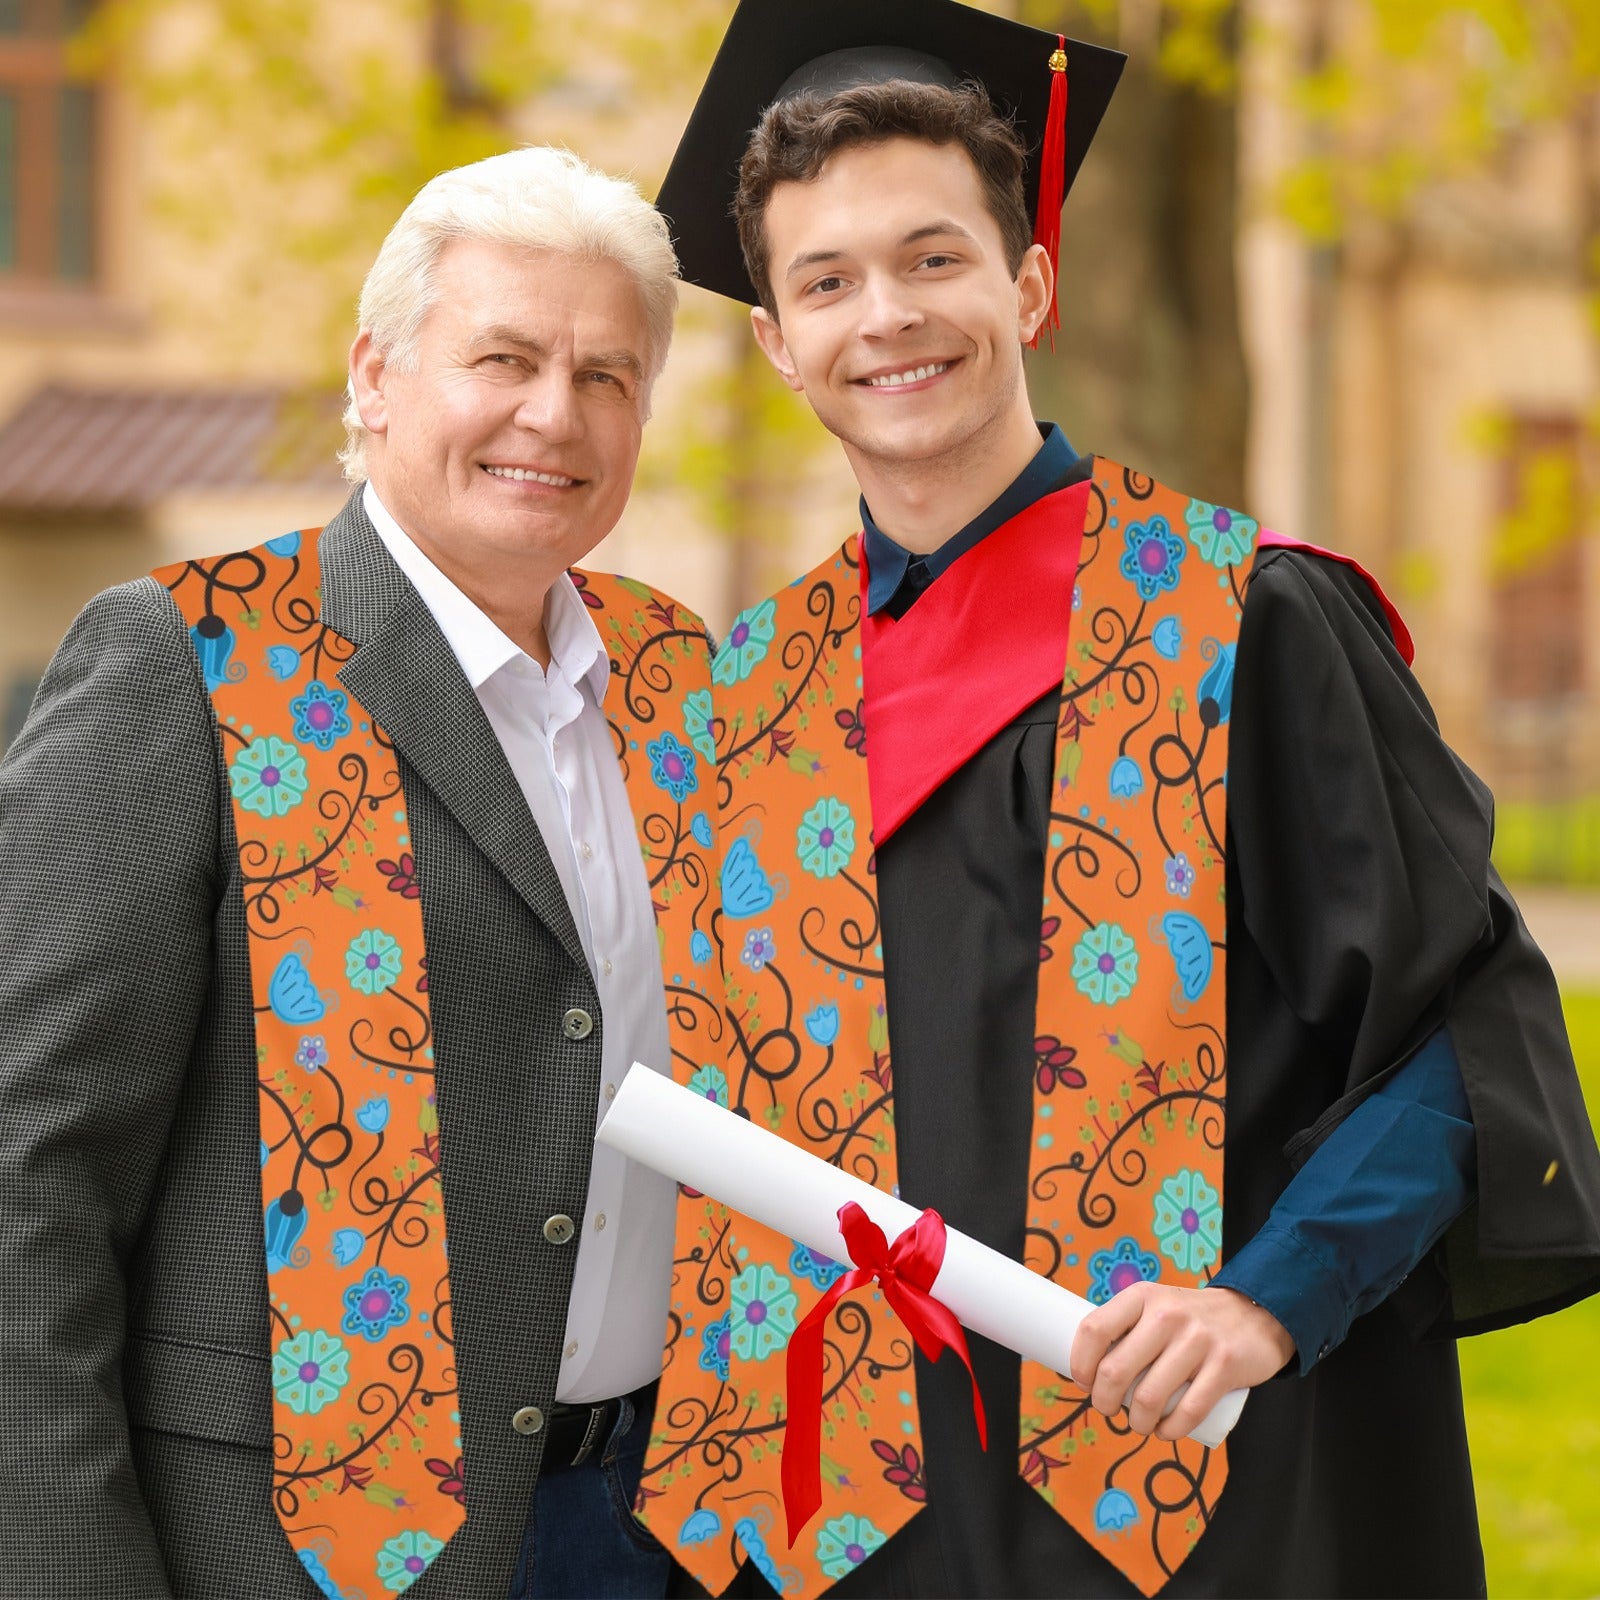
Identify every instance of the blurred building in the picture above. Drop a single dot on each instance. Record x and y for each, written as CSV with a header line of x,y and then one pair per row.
x,y
1426,396
1422,394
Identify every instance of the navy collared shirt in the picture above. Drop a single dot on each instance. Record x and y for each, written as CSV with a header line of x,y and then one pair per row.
x,y
1379,1192
897,577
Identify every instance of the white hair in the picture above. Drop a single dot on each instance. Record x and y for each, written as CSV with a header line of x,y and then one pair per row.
x,y
537,197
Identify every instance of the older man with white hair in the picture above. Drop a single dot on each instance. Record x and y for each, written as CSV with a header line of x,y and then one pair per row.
x,y
336,880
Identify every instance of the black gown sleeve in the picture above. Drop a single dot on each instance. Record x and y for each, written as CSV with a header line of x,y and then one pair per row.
x,y
1360,854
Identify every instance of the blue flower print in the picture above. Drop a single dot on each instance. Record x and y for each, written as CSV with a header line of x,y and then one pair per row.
x,y
320,715
373,1113
282,662
826,838
758,949
375,1305
1221,536
269,777
672,767
1215,690
285,544
1127,778
309,1370
283,1222
1114,1511
699,1526
711,1083
763,1312
845,1542
1152,557
213,642
699,949
1124,1264
319,1575
822,1270
403,1559
745,648
347,1245
1180,875
1105,964
822,1023
313,1052
716,1346
750,1535
373,962
697,714
1167,637
700,827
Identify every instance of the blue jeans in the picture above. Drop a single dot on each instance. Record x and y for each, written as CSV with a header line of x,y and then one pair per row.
x,y
581,1541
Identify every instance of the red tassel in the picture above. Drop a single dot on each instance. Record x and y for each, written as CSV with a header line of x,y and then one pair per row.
x,y
1052,182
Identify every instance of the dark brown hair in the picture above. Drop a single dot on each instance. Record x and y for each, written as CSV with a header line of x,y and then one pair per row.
x,y
796,137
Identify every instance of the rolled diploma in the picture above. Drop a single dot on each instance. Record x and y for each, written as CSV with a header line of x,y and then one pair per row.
x,y
693,1141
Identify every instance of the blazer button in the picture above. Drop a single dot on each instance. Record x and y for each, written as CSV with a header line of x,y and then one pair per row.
x,y
530,1419
559,1229
577,1024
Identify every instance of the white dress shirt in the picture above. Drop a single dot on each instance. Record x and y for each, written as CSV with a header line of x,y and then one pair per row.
x,y
555,737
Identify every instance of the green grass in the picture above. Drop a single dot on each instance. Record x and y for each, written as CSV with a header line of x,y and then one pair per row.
x,y
1548,841
1533,1415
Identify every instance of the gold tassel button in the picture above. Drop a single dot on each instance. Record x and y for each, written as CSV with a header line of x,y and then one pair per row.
x,y
1058,62
1550,1173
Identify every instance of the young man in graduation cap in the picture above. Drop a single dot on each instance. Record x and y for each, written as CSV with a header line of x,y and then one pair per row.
x,y
1093,873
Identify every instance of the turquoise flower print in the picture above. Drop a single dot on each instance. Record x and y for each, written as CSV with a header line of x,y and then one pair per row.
x,y
1180,875
347,1245
716,1346
822,1023
759,949
746,645
1123,1265
320,715
1152,557
1221,536
712,1082
309,1370
700,951
319,1575
1127,778
1188,1221
672,767
373,962
269,777
375,1305
1105,964
822,1270
312,1052
697,716
845,1542
404,1558
1167,637
826,838
1114,1511
763,1312
700,829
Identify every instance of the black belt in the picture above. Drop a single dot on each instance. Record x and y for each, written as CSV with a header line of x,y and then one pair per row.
x,y
575,1433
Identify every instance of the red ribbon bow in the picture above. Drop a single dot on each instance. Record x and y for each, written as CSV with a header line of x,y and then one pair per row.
x,y
906,1271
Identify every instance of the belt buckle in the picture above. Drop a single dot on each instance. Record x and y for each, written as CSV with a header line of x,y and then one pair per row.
x,y
591,1434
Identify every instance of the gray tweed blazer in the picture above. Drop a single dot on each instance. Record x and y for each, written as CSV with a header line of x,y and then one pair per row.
x,y
135,1433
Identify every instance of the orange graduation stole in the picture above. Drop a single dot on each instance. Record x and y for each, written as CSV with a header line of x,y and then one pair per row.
x,y
368,1473
1125,1180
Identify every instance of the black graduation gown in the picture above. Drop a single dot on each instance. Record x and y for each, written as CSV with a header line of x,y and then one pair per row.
x,y
1362,911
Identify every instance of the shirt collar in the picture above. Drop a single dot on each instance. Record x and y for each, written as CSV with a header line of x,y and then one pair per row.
x,y
889,562
476,640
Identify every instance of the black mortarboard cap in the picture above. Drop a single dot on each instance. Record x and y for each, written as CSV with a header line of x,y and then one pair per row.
x,y
776,48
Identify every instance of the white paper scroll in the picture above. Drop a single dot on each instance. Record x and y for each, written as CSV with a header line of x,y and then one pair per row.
x,y
691,1139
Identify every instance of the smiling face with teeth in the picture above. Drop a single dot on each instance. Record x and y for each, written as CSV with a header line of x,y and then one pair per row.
x,y
900,320
507,449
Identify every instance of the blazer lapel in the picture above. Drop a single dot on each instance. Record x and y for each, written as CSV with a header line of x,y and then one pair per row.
x,y
406,676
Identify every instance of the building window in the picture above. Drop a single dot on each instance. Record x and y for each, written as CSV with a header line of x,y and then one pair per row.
x,y
1538,568
48,138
